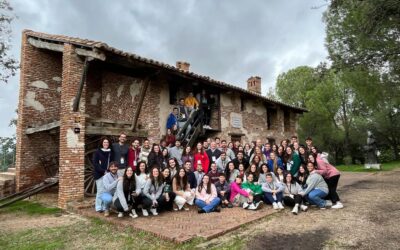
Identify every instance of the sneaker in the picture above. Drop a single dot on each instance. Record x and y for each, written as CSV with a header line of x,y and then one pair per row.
x,y
223,205
217,209
259,204
252,207
201,211
106,213
275,206
338,205
230,205
175,207
304,208
245,205
133,214
145,212
328,203
154,211
295,210
120,215
185,207
280,206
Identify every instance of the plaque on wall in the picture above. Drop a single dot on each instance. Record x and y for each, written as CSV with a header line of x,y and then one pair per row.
x,y
236,120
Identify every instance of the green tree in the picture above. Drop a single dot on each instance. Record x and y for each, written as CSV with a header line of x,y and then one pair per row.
x,y
8,64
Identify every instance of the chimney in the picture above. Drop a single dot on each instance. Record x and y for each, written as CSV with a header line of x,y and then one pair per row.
x,y
254,84
184,66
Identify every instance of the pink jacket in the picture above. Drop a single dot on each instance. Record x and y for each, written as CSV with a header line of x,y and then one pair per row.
x,y
203,194
325,169
236,189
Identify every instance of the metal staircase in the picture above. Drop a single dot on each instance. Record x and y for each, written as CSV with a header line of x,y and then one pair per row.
x,y
196,130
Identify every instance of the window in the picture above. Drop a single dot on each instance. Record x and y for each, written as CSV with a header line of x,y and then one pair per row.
x,y
271,118
286,120
241,104
173,94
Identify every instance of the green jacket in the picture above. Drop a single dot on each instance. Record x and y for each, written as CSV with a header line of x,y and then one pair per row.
x,y
294,164
255,188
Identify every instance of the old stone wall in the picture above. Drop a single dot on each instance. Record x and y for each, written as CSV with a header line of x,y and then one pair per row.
x,y
39,103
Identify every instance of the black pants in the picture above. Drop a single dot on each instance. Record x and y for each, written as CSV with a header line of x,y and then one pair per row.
x,y
134,202
169,204
225,196
332,185
290,202
257,198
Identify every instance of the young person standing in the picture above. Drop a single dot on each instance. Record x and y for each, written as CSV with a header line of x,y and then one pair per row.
x,y
101,160
120,153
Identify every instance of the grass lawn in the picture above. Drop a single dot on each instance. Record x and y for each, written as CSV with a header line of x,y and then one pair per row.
x,y
360,168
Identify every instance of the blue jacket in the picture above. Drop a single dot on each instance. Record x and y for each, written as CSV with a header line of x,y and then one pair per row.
x,y
172,120
271,165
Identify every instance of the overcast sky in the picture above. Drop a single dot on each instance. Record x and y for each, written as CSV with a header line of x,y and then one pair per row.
x,y
228,40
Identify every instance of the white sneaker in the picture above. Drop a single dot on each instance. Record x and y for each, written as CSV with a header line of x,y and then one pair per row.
x,y
154,211
133,214
145,212
120,215
275,206
328,203
338,205
295,210
252,206
280,206
259,205
245,205
303,208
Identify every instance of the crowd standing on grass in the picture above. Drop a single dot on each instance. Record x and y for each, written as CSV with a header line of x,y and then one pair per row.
x,y
149,178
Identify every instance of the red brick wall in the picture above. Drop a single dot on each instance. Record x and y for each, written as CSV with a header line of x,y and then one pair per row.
x,y
39,103
72,145
93,99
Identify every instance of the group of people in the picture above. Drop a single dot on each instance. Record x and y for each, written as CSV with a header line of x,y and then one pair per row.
x,y
214,175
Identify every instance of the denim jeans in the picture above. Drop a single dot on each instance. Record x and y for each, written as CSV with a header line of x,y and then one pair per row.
x,y
316,197
208,207
269,198
99,202
106,198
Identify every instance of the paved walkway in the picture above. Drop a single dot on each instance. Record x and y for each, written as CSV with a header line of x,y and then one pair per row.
x,y
183,226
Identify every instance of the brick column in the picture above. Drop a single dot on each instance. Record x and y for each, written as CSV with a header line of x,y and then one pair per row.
x,y
72,145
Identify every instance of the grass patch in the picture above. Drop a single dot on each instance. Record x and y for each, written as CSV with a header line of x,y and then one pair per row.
x,y
31,208
360,168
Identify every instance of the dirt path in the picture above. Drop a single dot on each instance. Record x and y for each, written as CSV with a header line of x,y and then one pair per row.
x,y
370,220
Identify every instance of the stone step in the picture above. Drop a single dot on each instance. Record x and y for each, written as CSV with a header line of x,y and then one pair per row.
x,y
11,170
7,175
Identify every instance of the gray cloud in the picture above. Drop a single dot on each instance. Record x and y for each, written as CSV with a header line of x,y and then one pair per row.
x,y
228,40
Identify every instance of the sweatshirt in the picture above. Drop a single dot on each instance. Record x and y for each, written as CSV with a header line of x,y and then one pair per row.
x,y
221,164
255,188
176,153
204,196
110,182
315,181
236,189
325,169
274,185
123,198
293,188
153,192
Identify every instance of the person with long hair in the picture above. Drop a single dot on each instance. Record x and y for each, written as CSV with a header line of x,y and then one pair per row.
x,y
127,194
153,193
280,175
187,155
264,170
253,169
256,160
170,138
101,160
258,152
201,155
181,188
165,156
291,194
274,148
155,157
240,197
141,175
274,162
317,189
168,192
231,172
331,176
273,192
303,155
292,161
302,176
173,166
247,151
256,191
241,171
206,196
281,152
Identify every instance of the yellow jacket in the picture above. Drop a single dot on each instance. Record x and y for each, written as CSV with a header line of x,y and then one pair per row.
x,y
191,101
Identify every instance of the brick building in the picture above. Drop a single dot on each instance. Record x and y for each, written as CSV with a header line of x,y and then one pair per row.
x,y
72,91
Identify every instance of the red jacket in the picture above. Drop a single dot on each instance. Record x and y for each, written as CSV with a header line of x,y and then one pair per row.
x,y
204,161
133,155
